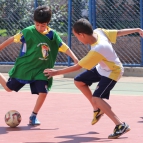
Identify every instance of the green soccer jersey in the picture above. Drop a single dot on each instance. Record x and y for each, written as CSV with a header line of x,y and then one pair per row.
x,y
41,53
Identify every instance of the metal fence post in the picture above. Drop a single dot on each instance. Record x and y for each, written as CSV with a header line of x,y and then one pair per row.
x,y
69,27
35,4
94,13
90,15
90,11
141,23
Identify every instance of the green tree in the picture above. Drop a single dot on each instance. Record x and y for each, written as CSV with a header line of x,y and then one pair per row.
x,y
15,15
59,9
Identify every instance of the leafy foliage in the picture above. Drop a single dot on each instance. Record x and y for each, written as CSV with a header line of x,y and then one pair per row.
x,y
117,14
15,15
18,14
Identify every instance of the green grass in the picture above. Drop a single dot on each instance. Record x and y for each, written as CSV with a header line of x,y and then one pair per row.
x,y
62,34
3,32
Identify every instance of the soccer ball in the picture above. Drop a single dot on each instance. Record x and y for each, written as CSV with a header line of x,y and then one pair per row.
x,y
12,118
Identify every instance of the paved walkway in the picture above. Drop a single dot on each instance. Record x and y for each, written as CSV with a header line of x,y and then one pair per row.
x,y
125,86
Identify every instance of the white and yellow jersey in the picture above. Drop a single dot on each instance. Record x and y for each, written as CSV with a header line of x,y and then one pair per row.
x,y
103,56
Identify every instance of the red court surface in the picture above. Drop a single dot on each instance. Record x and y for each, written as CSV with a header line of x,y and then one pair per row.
x,y
66,118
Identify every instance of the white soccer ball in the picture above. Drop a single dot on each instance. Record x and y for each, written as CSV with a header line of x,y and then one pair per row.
x,y
12,118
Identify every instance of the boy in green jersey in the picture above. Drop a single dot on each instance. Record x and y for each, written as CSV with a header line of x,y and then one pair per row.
x,y
40,46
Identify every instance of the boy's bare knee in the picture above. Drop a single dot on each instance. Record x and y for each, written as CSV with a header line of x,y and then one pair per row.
x,y
8,90
43,94
79,83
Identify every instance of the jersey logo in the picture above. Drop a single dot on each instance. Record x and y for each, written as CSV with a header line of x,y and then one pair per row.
x,y
45,50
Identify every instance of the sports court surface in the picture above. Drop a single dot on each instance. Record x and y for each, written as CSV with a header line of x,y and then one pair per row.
x,y
66,114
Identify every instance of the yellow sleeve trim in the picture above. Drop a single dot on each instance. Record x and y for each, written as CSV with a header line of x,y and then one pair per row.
x,y
17,37
90,60
116,74
47,30
111,34
63,47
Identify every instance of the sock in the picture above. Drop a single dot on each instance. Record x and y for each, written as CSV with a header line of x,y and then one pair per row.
x,y
33,114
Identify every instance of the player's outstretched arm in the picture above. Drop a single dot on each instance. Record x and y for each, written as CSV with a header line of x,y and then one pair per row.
x,y
123,32
72,55
52,72
65,49
6,43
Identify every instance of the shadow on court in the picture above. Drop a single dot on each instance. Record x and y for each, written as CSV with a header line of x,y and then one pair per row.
x,y
77,138
66,118
141,120
5,130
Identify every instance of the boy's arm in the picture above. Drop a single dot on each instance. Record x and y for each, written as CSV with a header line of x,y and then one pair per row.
x,y
65,49
72,55
16,38
123,32
51,72
6,43
88,62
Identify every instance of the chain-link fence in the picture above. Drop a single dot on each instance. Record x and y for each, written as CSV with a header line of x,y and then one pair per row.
x,y
110,14
120,14
14,16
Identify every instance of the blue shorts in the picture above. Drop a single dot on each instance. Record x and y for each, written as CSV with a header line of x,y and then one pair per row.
x,y
104,86
37,86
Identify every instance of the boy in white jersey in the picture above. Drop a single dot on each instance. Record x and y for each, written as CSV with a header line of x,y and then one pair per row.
x,y
102,65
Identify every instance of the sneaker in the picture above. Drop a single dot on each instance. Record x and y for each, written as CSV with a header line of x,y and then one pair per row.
x,y
33,120
96,116
119,130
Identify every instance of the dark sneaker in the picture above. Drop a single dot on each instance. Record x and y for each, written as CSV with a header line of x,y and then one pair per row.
x,y
96,116
119,130
33,120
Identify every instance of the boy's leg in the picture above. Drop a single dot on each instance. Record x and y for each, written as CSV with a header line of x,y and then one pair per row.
x,y
104,106
121,127
3,82
86,91
38,87
33,119
40,100
103,91
82,82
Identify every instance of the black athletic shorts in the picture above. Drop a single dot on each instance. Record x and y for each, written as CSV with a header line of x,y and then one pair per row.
x,y
36,86
104,85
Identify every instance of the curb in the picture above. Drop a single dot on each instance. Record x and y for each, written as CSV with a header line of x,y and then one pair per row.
x,y
128,71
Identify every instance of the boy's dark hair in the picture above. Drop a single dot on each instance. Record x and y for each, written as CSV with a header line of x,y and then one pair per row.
x,y
42,14
83,26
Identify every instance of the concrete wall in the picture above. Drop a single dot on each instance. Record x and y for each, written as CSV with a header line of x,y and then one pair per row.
x,y
128,50
129,71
